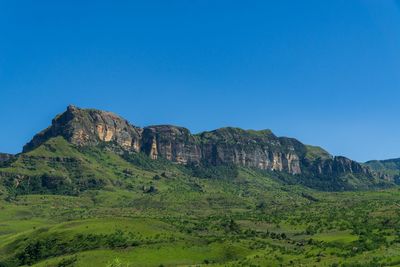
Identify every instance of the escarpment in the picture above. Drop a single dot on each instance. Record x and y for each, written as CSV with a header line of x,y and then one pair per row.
x,y
258,149
248,148
89,127
173,143
5,157
337,166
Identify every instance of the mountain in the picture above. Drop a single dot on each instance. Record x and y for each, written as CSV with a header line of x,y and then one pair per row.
x,y
94,190
5,157
285,158
389,169
258,149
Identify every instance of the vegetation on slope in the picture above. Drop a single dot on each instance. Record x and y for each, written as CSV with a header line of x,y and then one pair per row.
x,y
390,167
316,152
92,207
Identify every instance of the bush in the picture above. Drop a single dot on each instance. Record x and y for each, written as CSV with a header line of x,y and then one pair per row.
x,y
53,246
208,171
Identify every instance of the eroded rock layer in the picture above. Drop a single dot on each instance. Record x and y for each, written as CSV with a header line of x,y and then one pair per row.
x,y
5,157
258,149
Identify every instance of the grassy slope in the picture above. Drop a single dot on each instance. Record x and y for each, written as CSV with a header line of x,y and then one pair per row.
x,y
249,219
389,167
315,152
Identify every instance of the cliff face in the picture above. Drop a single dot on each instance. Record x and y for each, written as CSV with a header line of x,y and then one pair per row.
x,y
87,127
173,143
337,166
5,157
258,149
386,169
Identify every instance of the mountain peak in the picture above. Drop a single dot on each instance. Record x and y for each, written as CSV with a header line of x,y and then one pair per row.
x,y
229,145
71,107
83,127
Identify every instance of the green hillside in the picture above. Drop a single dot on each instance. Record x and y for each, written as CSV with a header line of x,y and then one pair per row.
x,y
316,152
67,206
390,167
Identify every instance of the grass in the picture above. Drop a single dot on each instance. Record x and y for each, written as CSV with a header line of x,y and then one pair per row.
x,y
336,236
250,219
162,254
315,152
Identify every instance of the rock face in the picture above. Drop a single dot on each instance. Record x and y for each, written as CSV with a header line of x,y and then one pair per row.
x,y
173,143
5,157
386,169
258,149
88,127
337,166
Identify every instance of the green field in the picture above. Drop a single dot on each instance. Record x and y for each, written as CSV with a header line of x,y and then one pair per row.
x,y
112,210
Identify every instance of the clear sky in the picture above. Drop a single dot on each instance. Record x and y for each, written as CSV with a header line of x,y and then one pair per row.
x,y
325,72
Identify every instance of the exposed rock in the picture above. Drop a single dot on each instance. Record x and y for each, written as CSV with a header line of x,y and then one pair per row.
x,y
5,157
171,142
85,127
149,189
388,170
258,149
336,166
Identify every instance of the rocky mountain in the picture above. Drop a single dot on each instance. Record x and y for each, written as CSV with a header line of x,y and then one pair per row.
x,y
387,169
5,157
384,165
89,127
248,148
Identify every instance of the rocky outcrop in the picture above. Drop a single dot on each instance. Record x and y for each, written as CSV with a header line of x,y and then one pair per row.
x,y
88,127
173,143
337,166
388,170
257,149
5,157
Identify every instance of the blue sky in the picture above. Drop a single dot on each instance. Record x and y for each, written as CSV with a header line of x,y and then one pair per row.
x,y
325,72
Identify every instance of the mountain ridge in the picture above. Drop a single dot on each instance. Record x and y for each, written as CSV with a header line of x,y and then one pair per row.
x,y
389,168
5,157
229,145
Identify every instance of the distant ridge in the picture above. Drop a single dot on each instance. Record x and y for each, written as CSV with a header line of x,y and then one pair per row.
x,y
247,148
5,157
389,169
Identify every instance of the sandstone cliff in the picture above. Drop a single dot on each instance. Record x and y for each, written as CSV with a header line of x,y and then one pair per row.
x,y
249,148
88,127
259,149
336,166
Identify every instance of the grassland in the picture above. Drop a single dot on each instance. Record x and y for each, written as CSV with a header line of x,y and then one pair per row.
x,y
104,209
